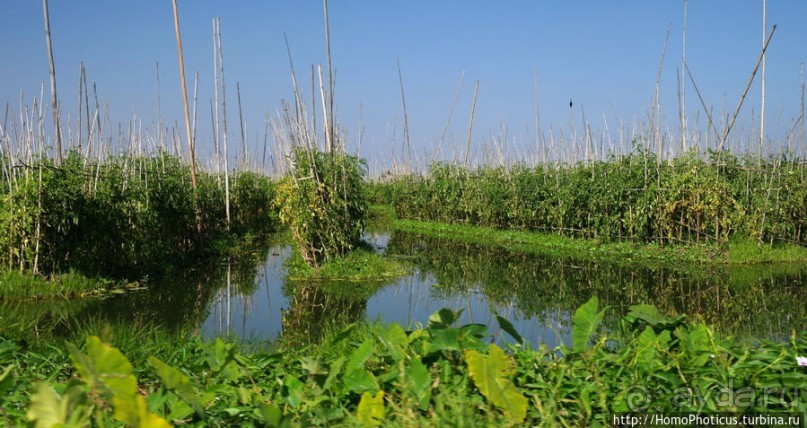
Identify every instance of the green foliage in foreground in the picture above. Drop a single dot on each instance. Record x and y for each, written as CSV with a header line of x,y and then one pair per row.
x,y
322,202
434,376
126,217
691,199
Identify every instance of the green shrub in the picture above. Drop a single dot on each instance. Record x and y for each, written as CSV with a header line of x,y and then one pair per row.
x,y
323,203
123,218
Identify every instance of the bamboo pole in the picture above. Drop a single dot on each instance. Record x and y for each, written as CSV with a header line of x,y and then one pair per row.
x,y
329,118
54,100
762,82
217,23
241,122
682,82
195,112
450,113
185,98
215,115
406,119
745,92
470,126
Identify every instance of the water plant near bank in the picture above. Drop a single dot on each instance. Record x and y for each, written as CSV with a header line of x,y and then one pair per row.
x,y
434,375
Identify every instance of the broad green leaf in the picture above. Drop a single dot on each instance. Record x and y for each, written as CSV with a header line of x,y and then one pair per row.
x,y
371,409
651,315
335,370
360,380
584,324
6,379
295,391
220,355
698,343
646,353
418,383
7,350
508,327
490,375
104,368
271,414
357,378
49,409
394,340
361,355
445,340
443,318
176,381
647,313
134,412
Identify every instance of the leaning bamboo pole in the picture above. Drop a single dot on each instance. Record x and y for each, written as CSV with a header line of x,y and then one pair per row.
x,y
185,97
407,142
53,97
471,125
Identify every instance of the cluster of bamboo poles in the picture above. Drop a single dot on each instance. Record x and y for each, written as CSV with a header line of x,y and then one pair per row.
x,y
295,124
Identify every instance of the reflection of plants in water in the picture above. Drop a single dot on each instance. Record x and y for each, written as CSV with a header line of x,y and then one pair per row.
x,y
736,300
316,309
24,319
177,302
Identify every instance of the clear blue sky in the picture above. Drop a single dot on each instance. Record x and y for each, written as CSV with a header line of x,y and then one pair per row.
x,y
603,54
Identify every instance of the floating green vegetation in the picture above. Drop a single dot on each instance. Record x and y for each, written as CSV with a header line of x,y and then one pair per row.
x,y
360,265
438,375
743,251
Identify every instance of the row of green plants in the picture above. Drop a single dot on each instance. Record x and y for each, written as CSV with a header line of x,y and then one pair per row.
x,y
693,198
438,375
123,218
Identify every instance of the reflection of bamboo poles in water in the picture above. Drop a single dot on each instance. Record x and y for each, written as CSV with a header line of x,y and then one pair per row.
x,y
229,279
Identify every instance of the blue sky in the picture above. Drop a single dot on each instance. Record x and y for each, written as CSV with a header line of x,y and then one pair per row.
x,y
603,55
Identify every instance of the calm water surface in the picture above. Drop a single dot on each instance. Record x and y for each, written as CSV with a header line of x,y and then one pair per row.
x,y
537,294
252,300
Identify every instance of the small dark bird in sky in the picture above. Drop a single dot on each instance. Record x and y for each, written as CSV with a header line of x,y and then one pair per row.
x,y
570,103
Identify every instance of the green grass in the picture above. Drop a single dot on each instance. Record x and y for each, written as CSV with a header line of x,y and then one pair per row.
x,y
360,265
738,251
25,286
751,251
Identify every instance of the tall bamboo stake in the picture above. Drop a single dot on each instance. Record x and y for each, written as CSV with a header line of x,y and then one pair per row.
x,y
241,122
762,81
185,97
54,101
682,82
470,126
216,131
217,23
745,92
406,119
195,99
438,152
329,118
